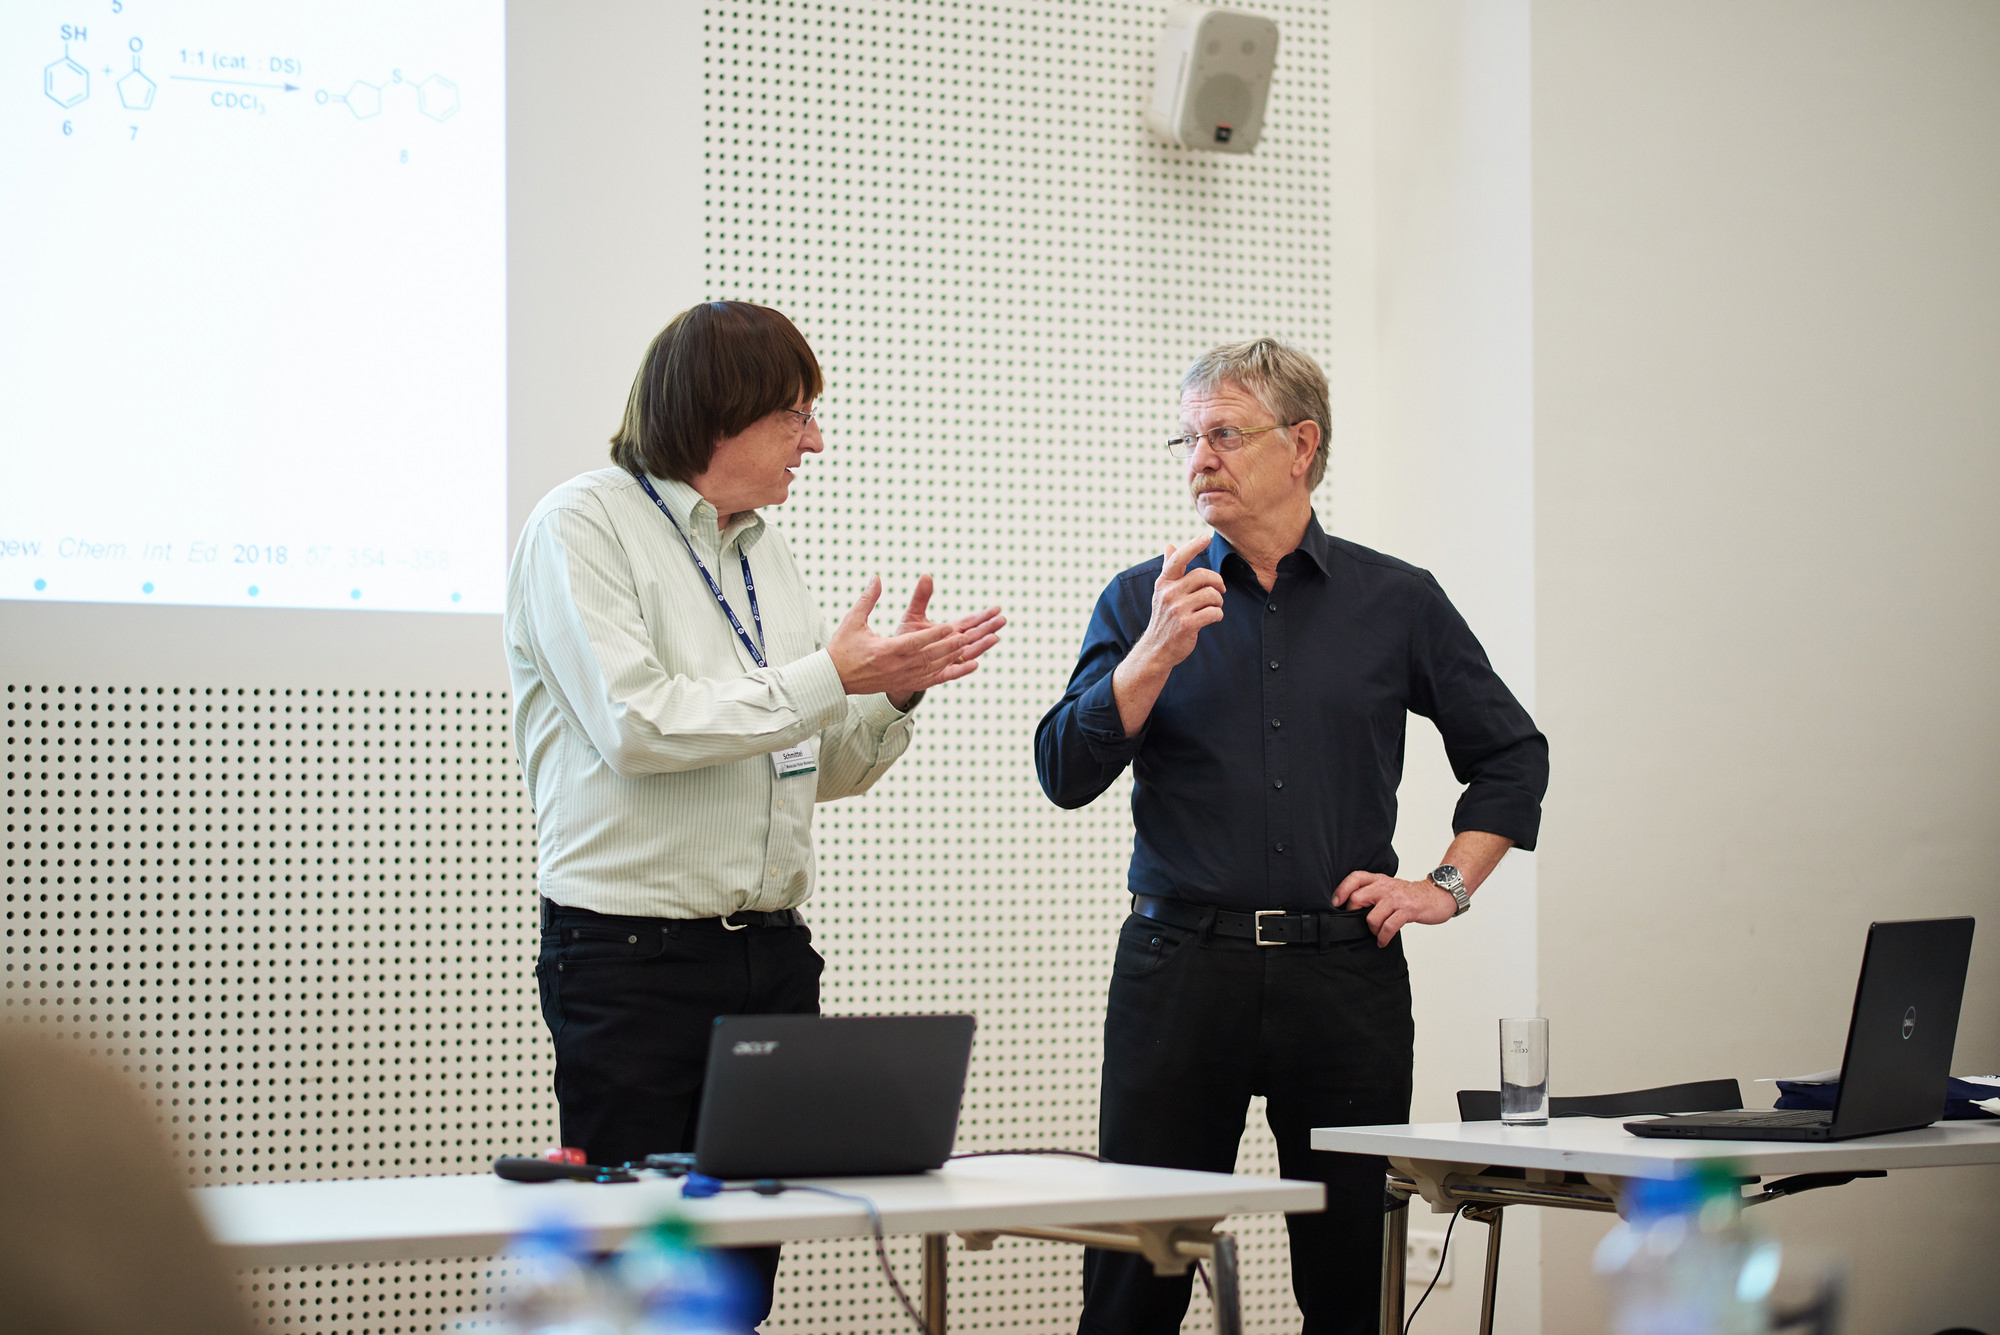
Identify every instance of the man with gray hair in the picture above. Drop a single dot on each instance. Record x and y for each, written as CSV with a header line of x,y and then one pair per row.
x,y
1259,683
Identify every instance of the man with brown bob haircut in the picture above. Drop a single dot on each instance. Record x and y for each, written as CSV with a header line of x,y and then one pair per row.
x,y
680,706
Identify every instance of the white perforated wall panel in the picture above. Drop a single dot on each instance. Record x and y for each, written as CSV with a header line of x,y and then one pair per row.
x,y
1004,277
303,921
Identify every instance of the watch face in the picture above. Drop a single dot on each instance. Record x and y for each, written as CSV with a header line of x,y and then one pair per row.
x,y
1447,878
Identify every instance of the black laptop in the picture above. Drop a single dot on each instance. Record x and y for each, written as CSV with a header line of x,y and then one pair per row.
x,y
1898,1045
831,1096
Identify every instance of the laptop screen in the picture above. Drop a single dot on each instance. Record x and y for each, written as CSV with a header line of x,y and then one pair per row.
x,y
819,1096
1905,1023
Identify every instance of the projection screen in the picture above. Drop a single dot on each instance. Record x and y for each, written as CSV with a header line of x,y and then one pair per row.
x,y
253,311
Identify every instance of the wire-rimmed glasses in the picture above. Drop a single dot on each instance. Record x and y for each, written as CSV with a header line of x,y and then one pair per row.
x,y
1221,439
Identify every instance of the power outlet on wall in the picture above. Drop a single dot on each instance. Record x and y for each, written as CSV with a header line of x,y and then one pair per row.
x,y
1421,1254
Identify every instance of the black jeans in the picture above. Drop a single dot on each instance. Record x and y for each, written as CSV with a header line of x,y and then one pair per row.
x,y
630,1003
1196,1025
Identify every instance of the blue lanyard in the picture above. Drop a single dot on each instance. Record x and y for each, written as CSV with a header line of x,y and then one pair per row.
x,y
750,585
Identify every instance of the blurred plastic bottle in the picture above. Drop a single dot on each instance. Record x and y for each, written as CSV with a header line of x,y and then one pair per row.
x,y
551,1286
1684,1263
677,1287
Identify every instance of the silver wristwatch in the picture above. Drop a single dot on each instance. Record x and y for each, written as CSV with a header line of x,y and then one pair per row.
x,y
1448,880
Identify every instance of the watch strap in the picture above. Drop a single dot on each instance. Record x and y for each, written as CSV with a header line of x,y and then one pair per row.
x,y
1448,879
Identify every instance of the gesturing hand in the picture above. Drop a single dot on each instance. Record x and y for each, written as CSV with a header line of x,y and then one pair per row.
x,y
1183,602
921,653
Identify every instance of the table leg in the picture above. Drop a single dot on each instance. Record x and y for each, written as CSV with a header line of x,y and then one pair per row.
x,y
935,1263
1395,1240
1492,1216
1228,1297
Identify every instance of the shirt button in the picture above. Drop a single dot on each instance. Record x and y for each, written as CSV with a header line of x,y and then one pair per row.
x,y
1278,847
631,940
1277,783
1274,665
1270,607
1274,723
781,804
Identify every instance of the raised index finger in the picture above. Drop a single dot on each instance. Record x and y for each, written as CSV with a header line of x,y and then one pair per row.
x,y
1176,565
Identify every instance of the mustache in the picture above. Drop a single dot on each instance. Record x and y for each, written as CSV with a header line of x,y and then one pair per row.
x,y
1207,482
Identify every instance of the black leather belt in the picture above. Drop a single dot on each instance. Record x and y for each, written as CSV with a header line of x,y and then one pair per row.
x,y
762,918
1267,927
734,922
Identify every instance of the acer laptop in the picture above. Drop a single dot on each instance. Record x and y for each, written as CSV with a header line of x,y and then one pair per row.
x,y
831,1096
1898,1045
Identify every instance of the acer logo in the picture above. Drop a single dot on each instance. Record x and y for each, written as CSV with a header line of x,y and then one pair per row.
x,y
761,1048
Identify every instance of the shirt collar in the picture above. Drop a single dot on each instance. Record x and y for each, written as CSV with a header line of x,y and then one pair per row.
x,y
1314,543
696,516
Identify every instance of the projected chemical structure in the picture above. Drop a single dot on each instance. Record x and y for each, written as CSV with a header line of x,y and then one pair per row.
x,y
66,82
437,97
135,90
363,99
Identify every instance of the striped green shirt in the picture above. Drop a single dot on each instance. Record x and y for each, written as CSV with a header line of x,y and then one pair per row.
x,y
643,725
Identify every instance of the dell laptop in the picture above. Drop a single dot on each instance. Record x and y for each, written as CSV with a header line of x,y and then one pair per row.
x,y
831,1096
1898,1045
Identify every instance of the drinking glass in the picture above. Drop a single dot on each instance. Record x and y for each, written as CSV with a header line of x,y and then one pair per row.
x,y
1524,1071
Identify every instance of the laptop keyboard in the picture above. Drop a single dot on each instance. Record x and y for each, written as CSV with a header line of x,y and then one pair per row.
x,y
1787,1117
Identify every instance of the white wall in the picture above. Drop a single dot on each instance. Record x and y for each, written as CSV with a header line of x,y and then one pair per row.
x,y
1453,471
605,240
1768,457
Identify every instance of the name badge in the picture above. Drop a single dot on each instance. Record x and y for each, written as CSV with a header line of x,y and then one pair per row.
x,y
795,760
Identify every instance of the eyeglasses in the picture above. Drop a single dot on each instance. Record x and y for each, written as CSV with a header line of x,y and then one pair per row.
x,y
805,419
1222,439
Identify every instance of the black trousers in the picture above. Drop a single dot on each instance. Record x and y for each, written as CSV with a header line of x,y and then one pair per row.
x,y
630,1003
1196,1025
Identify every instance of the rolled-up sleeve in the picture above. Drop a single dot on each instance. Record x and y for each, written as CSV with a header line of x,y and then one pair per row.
x,y
1493,745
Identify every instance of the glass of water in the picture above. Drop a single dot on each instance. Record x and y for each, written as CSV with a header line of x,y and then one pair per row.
x,y
1524,1071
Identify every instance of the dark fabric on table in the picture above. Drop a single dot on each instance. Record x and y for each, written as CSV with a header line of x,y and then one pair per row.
x,y
1268,770
1198,1024
631,1002
1801,1095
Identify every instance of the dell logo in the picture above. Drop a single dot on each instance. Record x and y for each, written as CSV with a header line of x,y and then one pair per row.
x,y
1909,1021
749,1049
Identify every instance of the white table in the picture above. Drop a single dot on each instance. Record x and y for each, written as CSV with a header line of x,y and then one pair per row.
x,y
1585,1164
1167,1214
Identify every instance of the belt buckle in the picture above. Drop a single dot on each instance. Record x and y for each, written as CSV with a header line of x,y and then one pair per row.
x,y
1257,926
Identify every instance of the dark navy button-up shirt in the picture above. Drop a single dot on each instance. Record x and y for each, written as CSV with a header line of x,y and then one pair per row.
x,y
1268,769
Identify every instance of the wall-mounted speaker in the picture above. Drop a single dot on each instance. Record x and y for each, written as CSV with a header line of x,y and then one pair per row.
x,y
1213,78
